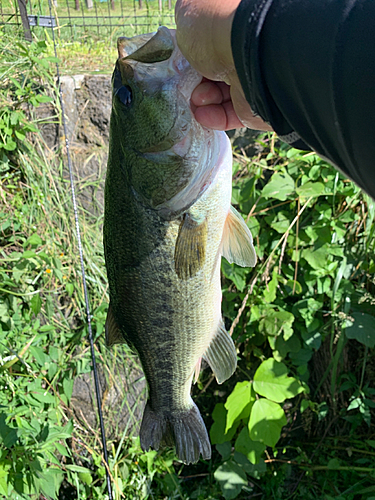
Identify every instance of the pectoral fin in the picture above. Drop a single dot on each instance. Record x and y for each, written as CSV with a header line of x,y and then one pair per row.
x,y
237,244
190,248
113,333
221,355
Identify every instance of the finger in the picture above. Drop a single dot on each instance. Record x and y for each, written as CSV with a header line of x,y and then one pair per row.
x,y
207,92
225,91
218,117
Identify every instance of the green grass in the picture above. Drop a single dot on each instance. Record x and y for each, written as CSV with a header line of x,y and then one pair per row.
x,y
96,24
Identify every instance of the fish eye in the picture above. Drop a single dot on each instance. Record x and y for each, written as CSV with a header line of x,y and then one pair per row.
x,y
124,94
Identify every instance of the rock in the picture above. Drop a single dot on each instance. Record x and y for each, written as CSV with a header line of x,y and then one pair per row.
x,y
122,391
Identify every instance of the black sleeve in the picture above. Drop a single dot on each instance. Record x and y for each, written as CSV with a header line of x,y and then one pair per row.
x,y
307,67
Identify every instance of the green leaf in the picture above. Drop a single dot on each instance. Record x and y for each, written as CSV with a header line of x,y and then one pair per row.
x,y
307,309
333,464
266,421
235,273
279,187
68,387
34,240
58,274
50,481
36,303
86,477
46,328
317,259
20,135
280,223
225,449
69,287
217,431
62,450
241,396
28,254
269,292
8,435
362,329
231,478
310,189
43,98
283,347
271,381
253,450
276,322
77,468
43,397
254,470
10,145
39,355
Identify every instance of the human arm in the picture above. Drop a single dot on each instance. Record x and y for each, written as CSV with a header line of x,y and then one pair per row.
x,y
307,68
204,36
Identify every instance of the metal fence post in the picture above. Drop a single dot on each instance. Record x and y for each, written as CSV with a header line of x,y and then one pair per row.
x,y
25,20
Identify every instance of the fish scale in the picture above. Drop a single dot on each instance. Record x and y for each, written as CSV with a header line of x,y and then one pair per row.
x,y
167,222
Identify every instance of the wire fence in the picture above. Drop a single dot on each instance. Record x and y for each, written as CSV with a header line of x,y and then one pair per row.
x,y
75,20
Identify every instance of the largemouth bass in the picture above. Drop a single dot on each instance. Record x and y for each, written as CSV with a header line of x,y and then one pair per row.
x,y
168,221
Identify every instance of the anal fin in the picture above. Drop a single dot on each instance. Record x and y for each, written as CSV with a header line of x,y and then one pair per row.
x,y
190,248
113,333
237,244
221,355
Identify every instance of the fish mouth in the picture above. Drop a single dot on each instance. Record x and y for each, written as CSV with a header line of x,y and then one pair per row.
x,y
155,64
150,48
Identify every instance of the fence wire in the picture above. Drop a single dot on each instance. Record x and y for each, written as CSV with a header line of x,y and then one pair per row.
x,y
80,20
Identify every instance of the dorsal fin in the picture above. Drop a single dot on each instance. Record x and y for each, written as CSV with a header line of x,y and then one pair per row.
x,y
113,333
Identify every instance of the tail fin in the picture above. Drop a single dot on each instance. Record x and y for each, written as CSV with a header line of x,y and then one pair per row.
x,y
186,431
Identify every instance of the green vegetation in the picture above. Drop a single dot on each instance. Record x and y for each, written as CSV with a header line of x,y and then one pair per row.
x,y
296,421
106,20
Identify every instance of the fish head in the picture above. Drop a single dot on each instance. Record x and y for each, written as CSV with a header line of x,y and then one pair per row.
x,y
152,85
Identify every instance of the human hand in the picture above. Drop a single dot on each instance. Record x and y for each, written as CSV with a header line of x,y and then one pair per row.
x,y
214,108
204,37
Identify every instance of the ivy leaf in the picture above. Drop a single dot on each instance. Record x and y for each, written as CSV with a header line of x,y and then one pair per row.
x,y
266,421
271,381
218,433
362,329
231,478
225,450
253,450
241,396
